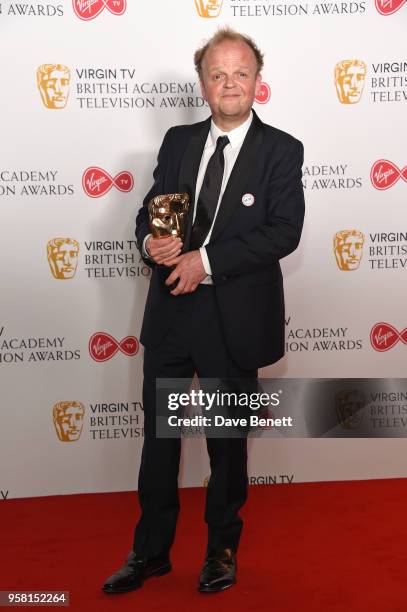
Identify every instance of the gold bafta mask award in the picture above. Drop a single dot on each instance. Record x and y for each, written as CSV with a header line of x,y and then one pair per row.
x,y
167,215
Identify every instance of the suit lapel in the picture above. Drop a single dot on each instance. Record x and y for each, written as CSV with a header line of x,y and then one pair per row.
x,y
243,168
189,171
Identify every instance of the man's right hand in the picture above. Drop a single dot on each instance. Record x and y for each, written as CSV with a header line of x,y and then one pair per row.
x,y
163,249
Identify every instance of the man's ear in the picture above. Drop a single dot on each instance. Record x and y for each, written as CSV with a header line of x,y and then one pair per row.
x,y
258,84
203,91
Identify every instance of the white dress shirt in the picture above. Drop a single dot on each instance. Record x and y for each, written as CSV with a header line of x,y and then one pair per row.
x,y
230,153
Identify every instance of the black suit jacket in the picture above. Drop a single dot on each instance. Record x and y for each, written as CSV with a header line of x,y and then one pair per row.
x,y
246,244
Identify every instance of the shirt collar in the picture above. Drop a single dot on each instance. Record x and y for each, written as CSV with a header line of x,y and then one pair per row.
x,y
236,136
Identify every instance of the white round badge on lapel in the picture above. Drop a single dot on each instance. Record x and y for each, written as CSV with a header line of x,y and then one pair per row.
x,y
248,199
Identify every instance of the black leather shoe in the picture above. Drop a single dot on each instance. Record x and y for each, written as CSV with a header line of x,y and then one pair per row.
x,y
136,569
218,572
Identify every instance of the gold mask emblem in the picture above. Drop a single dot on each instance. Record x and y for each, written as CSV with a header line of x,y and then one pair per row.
x,y
62,254
348,249
349,80
208,8
167,215
53,84
349,408
68,420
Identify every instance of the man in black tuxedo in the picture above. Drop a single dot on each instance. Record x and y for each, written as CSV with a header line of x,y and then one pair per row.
x,y
215,306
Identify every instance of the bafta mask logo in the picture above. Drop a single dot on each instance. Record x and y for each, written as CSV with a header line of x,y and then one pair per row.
x,y
349,80
348,249
62,256
388,7
53,83
89,9
264,93
206,480
68,420
349,408
208,8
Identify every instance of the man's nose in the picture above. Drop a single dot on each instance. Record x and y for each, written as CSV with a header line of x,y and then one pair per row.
x,y
229,81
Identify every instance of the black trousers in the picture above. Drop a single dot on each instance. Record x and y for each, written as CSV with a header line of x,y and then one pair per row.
x,y
194,344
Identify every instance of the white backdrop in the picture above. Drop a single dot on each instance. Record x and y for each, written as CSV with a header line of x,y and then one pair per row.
x,y
119,75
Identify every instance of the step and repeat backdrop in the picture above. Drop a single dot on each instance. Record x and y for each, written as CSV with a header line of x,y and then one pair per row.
x,y
89,89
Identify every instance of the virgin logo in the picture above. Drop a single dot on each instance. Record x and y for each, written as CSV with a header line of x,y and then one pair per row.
x,y
102,346
384,336
89,9
264,93
384,174
388,7
96,182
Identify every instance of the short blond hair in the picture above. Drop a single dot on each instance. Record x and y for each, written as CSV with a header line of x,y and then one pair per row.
x,y
227,34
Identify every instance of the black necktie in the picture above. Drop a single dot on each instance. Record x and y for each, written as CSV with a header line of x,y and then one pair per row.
x,y
209,195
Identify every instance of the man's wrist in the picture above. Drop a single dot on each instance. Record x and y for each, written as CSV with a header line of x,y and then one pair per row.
x,y
144,247
205,261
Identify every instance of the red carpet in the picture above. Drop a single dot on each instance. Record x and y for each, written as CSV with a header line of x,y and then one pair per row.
x,y
306,547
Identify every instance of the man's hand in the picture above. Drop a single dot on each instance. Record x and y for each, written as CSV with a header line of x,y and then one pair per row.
x,y
189,270
163,249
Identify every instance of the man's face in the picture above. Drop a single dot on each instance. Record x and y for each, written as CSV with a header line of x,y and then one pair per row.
x,y
69,424
55,87
351,84
208,8
64,260
230,82
349,252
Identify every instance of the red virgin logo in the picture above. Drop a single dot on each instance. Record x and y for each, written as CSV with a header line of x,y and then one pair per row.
x,y
384,336
384,174
388,7
96,182
264,93
102,346
89,9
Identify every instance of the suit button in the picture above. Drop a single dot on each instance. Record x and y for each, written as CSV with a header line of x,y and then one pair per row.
x,y
224,277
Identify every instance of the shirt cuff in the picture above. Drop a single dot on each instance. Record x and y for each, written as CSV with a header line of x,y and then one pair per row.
x,y
146,254
205,261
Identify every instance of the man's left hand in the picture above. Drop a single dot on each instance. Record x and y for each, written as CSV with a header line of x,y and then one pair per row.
x,y
189,270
